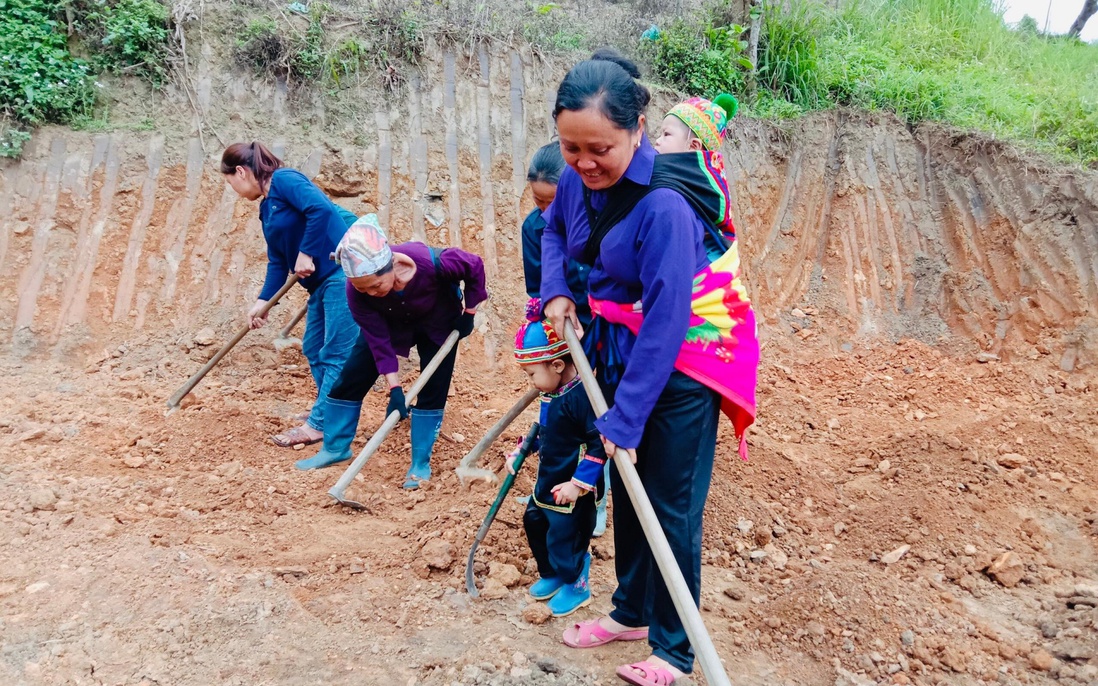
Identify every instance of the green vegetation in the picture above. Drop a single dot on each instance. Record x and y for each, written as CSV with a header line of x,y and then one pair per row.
x,y
41,81
951,61
125,35
943,60
278,49
550,28
699,59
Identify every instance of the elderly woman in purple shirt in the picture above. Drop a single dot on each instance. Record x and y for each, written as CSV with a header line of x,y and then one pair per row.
x,y
400,296
648,253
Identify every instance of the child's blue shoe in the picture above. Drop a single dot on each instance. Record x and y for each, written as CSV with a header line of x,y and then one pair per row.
x,y
544,589
572,597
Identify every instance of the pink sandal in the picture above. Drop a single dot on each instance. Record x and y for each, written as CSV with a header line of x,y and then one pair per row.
x,y
591,634
295,436
650,675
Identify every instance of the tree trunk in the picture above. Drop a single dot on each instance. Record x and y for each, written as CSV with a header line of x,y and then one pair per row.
x,y
1090,7
755,11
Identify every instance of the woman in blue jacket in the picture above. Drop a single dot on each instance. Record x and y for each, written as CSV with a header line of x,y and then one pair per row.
x,y
542,177
302,227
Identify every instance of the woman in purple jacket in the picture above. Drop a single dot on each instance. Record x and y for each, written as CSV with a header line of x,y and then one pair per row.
x,y
647,256
400,296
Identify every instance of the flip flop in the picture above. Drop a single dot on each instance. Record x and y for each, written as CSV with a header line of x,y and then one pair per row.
x,y
591,634
650,675
295,436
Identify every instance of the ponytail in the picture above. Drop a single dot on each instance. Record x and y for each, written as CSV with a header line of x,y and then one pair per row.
x,y
255,156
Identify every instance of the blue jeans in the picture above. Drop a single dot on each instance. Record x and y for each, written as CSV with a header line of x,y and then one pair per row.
x,y
330,333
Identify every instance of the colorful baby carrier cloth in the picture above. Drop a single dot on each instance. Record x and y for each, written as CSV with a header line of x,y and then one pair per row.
x,y
721,348
697,176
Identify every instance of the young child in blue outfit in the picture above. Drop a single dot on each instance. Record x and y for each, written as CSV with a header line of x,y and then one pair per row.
x,y
560,517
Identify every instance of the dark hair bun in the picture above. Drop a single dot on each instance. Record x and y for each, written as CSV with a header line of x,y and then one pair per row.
x,y
609,81
608,54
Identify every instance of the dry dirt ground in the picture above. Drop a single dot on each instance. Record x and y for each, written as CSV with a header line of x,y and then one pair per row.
x,y
908,515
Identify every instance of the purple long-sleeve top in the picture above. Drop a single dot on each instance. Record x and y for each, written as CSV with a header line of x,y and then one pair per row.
x,y
428,304
652,256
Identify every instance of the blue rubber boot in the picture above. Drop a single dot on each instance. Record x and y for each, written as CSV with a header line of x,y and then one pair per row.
x,y
572,597
544,589
600,518
340,424
425,427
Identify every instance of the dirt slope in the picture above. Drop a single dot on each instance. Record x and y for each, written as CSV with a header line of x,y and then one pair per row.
x,y
148,549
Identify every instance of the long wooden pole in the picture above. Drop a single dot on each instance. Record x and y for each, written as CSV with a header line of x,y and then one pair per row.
x,y
285,332
173,402
657,540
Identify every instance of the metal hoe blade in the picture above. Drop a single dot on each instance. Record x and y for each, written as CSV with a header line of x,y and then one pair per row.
x,y
468,469
504,489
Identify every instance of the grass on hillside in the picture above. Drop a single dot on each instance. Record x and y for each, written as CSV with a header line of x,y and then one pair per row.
x,y
944,60
952,61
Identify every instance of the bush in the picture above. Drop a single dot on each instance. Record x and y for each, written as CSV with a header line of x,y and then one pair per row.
x,y
125,36
261,48
40,81
12,140
345,60
398,35
700,61
270,49
551,28
131,33
307,55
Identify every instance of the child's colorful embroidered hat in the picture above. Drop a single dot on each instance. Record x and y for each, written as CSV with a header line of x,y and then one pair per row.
x,y
708,119
536,341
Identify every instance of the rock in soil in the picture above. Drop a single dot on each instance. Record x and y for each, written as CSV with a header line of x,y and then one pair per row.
x,y
895,555
1012,460
205,337
1007,569
536,613
438,554
1074,650
1041,660
43,499
493,590
506,574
